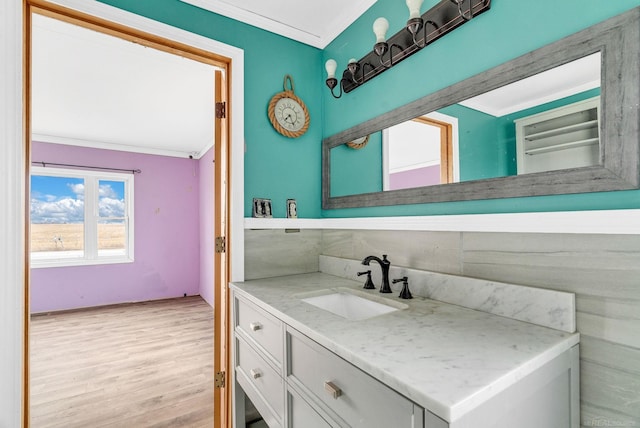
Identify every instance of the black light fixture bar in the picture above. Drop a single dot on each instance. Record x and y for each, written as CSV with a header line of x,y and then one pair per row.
x,y
441,19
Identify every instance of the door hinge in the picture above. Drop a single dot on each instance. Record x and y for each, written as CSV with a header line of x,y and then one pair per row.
x,y
221,110
220,380
221,244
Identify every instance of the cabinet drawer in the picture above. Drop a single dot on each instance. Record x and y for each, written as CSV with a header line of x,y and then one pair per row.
x,y
302,415
257,377
261,327
354,396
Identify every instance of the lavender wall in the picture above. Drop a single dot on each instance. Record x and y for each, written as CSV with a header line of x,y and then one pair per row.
x,y
167,246
206,227
418,177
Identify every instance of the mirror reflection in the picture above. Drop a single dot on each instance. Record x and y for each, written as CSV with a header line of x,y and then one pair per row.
x,y
549,121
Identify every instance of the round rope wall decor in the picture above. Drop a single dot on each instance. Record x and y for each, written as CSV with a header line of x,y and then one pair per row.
x,y
358,143
287,112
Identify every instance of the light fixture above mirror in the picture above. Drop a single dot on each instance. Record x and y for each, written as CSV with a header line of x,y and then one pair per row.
x,y
441,19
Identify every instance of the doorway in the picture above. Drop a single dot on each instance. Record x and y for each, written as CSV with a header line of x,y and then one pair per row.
x,y
222,156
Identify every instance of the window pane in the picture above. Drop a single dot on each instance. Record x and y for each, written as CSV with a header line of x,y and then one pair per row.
x,y
111,199
112,237
112,227
57,216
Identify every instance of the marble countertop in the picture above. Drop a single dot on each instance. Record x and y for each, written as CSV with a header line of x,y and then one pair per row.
x,y
444,357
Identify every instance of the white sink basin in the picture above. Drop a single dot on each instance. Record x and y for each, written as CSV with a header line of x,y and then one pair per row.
x,y
351,304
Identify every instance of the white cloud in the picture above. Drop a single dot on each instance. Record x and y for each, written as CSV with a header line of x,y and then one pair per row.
x,y
106,191
108,203
47,208
78,189
110,207
65,210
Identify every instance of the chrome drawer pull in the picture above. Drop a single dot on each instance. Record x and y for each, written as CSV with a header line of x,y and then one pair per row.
x,y
255,373
255,326
332,389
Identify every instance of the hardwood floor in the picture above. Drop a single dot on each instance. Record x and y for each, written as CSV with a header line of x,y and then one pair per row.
x,y
141,365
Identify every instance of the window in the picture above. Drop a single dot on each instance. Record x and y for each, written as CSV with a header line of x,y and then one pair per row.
x,y
80,217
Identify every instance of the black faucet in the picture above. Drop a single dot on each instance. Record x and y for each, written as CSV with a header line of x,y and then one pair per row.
x,y
405,293
384,266
368,283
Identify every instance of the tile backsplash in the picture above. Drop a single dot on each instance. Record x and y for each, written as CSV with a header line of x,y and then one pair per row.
x,y
548,308
602,270
274,252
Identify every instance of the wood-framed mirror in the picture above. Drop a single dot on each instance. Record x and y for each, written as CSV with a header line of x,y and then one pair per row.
x,y
609,136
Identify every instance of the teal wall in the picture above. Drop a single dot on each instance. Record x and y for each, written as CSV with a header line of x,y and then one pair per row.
x,y
478,147
508,30
279,168
357,171
276,167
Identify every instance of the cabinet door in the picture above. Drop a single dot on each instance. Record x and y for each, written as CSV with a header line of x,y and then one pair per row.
x,y
302,415
352,395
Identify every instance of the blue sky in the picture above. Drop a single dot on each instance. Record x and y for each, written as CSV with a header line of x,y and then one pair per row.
x,y
61,199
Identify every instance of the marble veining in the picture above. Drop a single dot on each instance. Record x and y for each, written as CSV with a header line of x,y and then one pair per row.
x,y
289,253
548,308
446,358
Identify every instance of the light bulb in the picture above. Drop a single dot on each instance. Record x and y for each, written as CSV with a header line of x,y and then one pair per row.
x,y
380,27
353,66
331,66
414,8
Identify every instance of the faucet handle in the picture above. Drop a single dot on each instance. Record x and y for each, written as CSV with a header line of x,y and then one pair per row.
x,y
405,293
368,285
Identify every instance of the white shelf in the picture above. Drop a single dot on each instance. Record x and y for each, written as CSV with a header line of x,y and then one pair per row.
x,y
556,147
563,130
623,222
565,137
283,223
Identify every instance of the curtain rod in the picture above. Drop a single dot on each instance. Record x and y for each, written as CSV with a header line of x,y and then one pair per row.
x,y
44,164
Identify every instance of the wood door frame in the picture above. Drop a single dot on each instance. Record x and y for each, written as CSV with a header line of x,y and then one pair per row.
x,y
222,325
446,146
224,223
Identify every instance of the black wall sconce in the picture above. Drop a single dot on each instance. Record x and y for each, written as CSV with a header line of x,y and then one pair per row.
x,y
420,31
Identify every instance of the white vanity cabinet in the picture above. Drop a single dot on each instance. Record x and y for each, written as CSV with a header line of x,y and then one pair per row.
x,y
429,365
296,383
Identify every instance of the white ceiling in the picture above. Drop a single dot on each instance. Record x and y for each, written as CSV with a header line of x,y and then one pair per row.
x,y
559,82
96,90
315,23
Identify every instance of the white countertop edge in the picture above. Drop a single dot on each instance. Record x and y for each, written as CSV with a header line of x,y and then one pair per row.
x,y
449,414
462,408
623,222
